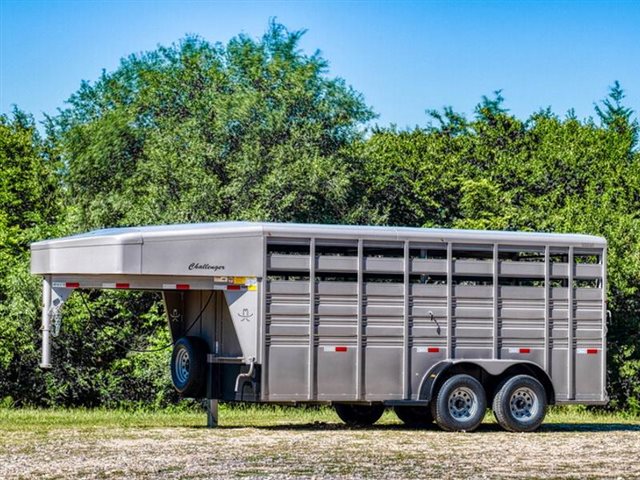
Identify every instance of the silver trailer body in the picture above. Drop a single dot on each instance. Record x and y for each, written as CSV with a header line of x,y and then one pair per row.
x,y
324,313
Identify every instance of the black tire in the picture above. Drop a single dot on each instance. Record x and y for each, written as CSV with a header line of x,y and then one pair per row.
x,y
189,366
414,416
359,415
460,404
520,404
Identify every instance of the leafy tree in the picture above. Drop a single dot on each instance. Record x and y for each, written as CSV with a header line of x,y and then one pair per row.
x,y
29,208
196,131
614,114
27,184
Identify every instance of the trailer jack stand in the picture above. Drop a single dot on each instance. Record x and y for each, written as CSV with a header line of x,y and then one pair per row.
x,y
53,297
212,413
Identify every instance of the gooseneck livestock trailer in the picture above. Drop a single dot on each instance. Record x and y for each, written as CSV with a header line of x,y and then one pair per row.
x,y
438,324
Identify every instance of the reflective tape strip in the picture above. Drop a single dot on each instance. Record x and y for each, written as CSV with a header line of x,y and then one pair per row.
x,y
587,351
252,288
175,286
428,349
336,349
115,285
519,350
65,284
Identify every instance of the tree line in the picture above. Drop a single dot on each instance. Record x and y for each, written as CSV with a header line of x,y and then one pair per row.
x,y
257,129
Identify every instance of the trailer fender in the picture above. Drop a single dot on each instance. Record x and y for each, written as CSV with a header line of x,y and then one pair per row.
x,y
490,371
430,379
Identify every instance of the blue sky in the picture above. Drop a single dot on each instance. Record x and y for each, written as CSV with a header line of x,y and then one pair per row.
x,y
405,57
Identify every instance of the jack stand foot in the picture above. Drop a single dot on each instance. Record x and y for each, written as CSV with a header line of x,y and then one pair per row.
x,y
212,413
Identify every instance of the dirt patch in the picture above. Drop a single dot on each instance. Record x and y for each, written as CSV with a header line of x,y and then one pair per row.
x,y
322,450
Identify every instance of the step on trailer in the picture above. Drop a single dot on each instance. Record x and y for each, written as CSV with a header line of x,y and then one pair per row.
x,y
438,324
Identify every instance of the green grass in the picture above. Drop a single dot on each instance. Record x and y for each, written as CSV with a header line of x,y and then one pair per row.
x,y
239,416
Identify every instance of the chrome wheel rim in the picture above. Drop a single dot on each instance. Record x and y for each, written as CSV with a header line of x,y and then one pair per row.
x,y
524,404
463,403
182,365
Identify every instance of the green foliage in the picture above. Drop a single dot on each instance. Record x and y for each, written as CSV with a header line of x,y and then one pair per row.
x,y
257,130
196,131
29,208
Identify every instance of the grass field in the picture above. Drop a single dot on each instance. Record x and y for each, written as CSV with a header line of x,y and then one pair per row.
x,y
290,443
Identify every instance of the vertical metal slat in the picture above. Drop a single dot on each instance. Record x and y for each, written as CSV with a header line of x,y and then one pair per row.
x,y
496,329
449,300
311,372
406,345
359,328
570,329
547,304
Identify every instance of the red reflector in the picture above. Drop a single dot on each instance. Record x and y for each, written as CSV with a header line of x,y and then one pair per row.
x,y
525,350
341,349
433,350
72,285
122,285
592,351
233,287
182,286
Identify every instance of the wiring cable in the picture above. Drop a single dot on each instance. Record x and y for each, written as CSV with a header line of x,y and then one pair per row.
x,y
127,347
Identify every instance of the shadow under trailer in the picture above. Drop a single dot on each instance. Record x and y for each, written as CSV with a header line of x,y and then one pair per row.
x,y
437,324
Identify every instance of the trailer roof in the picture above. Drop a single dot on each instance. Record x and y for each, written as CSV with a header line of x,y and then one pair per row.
x,y
139,235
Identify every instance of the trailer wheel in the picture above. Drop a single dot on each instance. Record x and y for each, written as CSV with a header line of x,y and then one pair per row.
x,y
359,415
189,365
414,416
460,404
520,404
